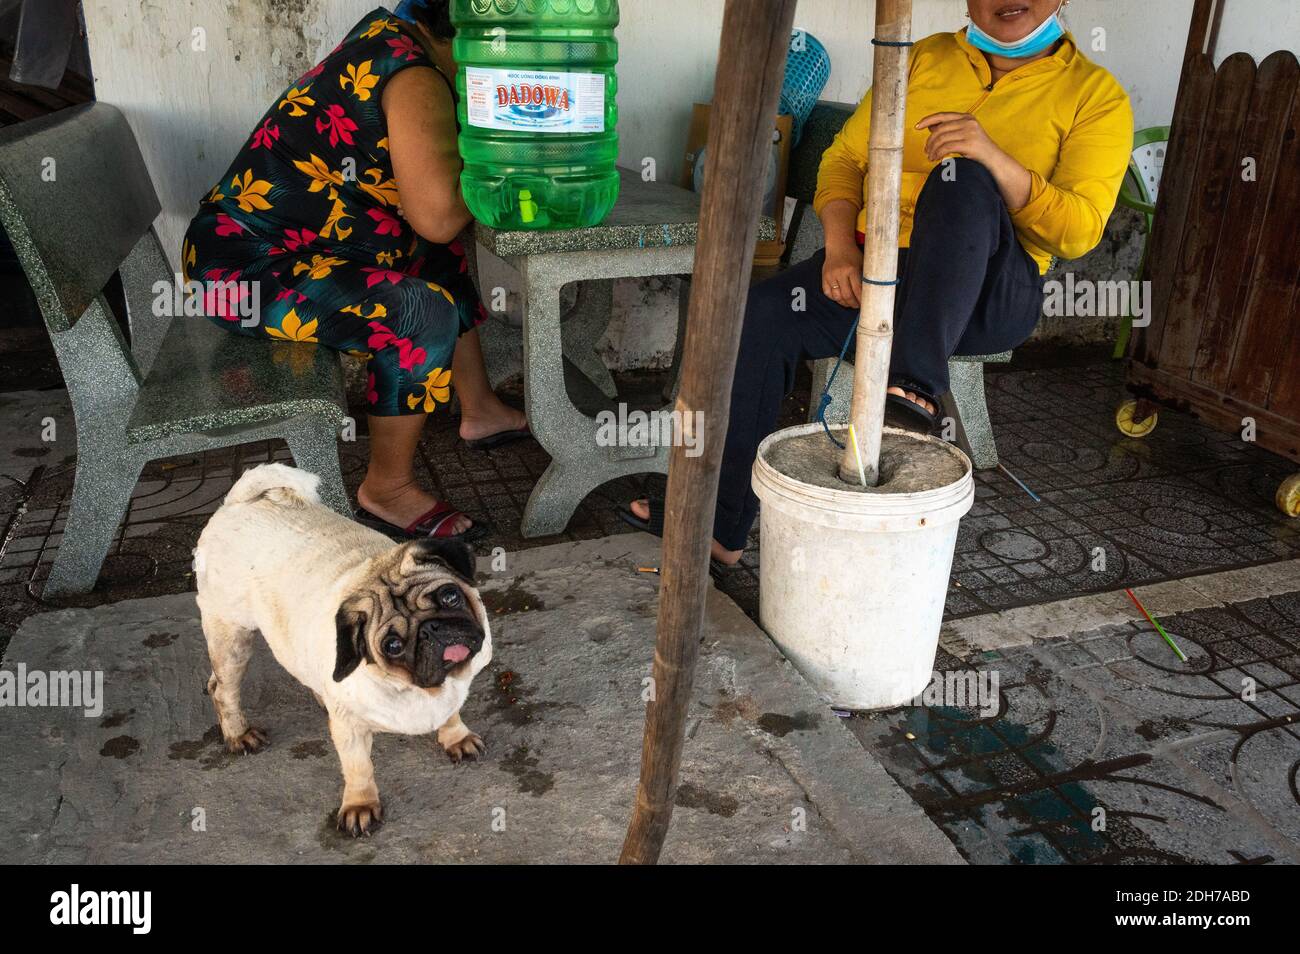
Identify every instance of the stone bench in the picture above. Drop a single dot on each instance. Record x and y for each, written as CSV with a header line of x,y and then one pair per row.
x,y
78,204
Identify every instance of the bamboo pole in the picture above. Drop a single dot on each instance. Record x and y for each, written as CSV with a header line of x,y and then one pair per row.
x,y
880,258
751,61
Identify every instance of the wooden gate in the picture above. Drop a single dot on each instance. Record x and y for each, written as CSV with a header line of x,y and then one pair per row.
x,y
1224,258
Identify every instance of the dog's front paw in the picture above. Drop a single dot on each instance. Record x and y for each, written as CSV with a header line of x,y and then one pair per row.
x,y
360,818
253,740
468,746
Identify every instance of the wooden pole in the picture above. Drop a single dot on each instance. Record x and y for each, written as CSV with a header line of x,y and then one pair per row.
x,y
751,62
880,259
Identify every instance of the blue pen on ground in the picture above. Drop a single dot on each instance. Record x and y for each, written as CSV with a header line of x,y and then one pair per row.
x,y
1020,483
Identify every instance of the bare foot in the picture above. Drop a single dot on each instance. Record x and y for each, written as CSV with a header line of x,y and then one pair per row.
x,y
403,505
641,508
914,398
493,418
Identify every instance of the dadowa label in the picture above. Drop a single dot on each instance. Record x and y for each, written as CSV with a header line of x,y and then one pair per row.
x,y
533,101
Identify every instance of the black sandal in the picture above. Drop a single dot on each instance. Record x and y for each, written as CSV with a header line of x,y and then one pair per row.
x,y
908,415
499,439
655,526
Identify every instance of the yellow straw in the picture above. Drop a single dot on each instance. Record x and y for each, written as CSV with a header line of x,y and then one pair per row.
x,y
862,474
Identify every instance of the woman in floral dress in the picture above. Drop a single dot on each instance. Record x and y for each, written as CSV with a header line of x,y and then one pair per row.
x,y
344,206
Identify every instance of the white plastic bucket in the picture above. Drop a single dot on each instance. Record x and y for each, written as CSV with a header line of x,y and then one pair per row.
x,y
852,584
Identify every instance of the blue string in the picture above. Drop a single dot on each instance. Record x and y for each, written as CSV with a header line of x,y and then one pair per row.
x,y
825,401
826,391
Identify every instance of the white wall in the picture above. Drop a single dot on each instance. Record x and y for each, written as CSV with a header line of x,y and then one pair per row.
x,y
191,109
668,50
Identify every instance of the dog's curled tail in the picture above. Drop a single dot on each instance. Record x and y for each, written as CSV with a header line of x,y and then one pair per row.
x,y
278,482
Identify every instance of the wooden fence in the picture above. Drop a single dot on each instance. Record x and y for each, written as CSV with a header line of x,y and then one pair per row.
x,y
1224,256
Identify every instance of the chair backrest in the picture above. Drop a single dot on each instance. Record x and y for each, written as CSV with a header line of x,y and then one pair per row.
x,y
75,198
819,131
1148,160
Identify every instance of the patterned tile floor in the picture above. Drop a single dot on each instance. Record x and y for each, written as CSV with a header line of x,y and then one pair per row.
x,y
1106,748
1184,500
1184,769
1114,511
174,498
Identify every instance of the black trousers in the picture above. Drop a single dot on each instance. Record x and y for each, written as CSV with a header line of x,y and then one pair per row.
x,y
967,286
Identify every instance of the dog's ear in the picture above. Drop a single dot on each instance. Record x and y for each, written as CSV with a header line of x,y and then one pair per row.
x,y
350,627
456,554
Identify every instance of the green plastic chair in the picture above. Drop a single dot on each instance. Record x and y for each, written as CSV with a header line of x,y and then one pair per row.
x,y
1139,191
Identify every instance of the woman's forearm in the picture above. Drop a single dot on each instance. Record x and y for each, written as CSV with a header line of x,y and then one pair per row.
x,y
961,134
1013,179
839,219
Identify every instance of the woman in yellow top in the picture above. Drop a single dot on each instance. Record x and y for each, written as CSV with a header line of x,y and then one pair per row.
x,y
1015,148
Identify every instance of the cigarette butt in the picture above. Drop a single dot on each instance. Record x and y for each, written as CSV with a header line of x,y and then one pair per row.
x,y
647,569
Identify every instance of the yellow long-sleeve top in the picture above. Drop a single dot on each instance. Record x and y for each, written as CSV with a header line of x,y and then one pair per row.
x,y
1064,118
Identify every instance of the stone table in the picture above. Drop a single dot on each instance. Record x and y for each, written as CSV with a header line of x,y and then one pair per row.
x,y
651,230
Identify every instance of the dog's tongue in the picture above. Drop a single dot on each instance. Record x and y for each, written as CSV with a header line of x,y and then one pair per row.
x,y
455,653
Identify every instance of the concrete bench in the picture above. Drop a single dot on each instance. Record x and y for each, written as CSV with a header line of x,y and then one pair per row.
x,y
78,204
965,403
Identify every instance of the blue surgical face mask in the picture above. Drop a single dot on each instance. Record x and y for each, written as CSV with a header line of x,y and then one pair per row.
x,y
1047,33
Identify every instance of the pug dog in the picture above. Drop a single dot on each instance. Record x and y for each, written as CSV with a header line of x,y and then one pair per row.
x,y
387,636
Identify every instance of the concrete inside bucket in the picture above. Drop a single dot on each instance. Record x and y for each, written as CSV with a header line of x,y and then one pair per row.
x,y
909,463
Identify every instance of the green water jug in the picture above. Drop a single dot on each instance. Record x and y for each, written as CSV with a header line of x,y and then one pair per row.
x,y
537,110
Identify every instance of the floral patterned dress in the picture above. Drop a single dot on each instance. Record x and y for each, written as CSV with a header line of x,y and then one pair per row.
x,y
309,211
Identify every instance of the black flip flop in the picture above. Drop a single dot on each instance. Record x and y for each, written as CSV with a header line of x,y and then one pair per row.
x,y
719,570
908,415
655,526
499,439
430,524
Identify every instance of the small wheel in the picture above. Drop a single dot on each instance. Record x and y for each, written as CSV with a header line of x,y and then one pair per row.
x,y
1133,428
1288,496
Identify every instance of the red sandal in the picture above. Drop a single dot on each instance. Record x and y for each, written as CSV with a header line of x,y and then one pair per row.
x,y
436,523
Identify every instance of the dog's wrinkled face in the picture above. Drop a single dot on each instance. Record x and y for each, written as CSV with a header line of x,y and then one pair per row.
x,y
417,616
